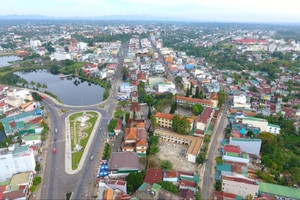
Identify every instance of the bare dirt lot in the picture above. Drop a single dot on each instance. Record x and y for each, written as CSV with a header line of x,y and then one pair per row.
x,y
175,153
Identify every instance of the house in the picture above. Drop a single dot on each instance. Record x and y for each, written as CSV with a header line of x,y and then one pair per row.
x,y
194,143
170,176
181,100
273,128
226,196
165,120
117,184
204,119
22,179
122,163
251,146
167,87
254,122
135,140
236,157
16,159
153,176
118,128
126,88
240,186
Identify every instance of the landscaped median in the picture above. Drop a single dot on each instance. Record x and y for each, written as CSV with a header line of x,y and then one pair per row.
x,y
81,126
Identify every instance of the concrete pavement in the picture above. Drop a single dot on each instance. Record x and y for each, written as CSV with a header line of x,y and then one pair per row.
x,y
68,153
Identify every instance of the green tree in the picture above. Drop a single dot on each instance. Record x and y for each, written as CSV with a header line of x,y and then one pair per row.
x,y
141,91
54,69
153,122
165,165
153,150
37,180
123,103
149,112
184,126
201,158
221,98
134,181
175,122
169,187
197,94
149,99
112,125
197,109
153,140
191,88
38,167
36,96
218,185
187,94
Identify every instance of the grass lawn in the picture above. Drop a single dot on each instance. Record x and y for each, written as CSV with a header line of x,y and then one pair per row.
x,y
76,156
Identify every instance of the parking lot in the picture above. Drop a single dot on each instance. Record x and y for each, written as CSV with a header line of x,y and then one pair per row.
x,y
175,153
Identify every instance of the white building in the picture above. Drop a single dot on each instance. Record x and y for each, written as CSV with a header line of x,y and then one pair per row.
x,y
273,128
254,122
240,186
35,43
126,88
251,146
82,46
240,101
15,160
60,56
159,68
166,87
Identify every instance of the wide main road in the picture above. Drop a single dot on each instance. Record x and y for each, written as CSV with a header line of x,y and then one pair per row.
x,y
57,182
208,178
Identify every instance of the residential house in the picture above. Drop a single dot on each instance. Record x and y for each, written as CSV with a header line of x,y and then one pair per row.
x,y
251,146
279,191
203,121
153,176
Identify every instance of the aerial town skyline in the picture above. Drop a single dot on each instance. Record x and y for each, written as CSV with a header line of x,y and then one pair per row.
x,y
266,11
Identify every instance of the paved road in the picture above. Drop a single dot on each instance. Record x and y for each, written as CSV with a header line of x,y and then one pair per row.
x,y
208,178
57,182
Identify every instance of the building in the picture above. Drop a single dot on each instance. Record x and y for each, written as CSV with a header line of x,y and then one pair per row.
x,y
153,176
273,128
251,146
135,140
181,100
16,159
279,191
165,120
240,186
194,143
254,122
122,163
166,87
125,88
204,119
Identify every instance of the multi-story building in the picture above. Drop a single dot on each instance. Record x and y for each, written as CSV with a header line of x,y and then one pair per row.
x,y
166,87
16,159
181,100
165,120
204,119
240,186
251,146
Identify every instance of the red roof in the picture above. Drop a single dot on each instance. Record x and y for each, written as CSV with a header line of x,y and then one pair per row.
x,y
240,180
142,76
171,174
200,101
2,104
135,106
36,120
232,148
203,118
119,124
224,195
188,183
153,176
12,124
250,41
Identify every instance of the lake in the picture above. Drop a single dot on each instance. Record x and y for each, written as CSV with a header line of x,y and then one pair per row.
x,y
71,90
4,60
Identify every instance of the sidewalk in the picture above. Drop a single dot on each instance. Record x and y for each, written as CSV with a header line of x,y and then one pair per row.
x,y
68,153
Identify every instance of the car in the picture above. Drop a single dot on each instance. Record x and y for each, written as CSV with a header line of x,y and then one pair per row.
x,y
56,130
100,129
92,157
53,151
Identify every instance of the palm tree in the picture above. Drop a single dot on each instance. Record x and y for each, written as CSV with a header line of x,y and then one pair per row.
x,y
32,83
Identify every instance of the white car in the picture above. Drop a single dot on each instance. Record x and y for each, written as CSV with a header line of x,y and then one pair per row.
x,y
92,157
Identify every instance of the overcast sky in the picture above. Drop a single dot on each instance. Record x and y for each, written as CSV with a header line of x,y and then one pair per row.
x,y
202,10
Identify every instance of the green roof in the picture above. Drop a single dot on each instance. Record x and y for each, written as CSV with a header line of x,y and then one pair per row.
x,y
142,187
224,167
246,140
238,197
232,154
279,190
31,137
274,125
255,119
19,149
155,187
4,183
